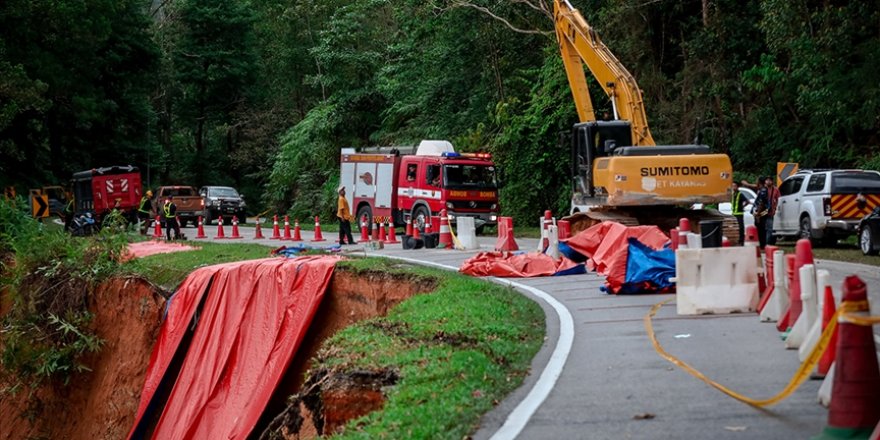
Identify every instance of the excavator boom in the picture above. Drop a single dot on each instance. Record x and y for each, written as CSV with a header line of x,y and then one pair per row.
x,y
579,44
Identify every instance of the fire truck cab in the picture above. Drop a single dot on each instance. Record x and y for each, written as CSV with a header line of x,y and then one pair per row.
x,y
384,184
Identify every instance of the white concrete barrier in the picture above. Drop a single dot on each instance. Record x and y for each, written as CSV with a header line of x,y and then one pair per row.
x,y
716,280
467,233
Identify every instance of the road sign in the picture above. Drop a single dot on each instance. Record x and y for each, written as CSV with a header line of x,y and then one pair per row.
x,y
40,205
9,192
783,170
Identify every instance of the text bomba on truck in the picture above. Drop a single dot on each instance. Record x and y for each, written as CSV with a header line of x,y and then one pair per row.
x,y
413,187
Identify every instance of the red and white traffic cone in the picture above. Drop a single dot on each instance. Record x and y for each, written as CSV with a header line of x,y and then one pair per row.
x,y
684,228
445,233
855,408
375,236
382,236
803,255
276,233
200,232
220,234
365,235
297,231
415,232
545,225
392,238
828,309
157,230
286,228
435,225
318,235
235,228
258,234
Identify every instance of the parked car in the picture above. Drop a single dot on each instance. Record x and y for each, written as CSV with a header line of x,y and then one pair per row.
x,y
225,201
869,233
825,205
188,202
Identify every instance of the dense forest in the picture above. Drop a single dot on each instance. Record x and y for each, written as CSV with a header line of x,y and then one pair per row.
x,y
262,94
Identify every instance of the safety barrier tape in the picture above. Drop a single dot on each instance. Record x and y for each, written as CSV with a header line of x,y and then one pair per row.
x,y
803,372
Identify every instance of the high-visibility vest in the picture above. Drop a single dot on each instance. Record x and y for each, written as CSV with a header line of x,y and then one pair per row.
x,y
737,196
144,201
167,209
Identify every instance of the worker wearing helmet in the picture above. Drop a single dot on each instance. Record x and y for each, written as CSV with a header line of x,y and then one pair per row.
x,y
144,210
169,211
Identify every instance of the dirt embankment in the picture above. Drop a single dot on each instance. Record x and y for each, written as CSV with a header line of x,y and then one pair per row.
x,y
101,404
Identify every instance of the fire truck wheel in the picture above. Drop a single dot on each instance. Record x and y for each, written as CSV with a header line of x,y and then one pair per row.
x,y
420,217
365,211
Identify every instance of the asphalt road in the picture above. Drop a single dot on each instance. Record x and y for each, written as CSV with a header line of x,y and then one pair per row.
x,y
613,385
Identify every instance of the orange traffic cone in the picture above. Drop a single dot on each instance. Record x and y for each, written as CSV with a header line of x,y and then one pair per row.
x,y
220,234
445,233
258,234
365,235
382,237
392,238
200,232
235,227
545,224
286,228
276,233
827,359
415,232
855,408
318,235
157,231
296,231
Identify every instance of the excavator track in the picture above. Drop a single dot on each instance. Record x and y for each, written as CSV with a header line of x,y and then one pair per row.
x,y
664,217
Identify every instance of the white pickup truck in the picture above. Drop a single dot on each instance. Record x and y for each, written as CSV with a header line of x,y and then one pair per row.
x,y
825,205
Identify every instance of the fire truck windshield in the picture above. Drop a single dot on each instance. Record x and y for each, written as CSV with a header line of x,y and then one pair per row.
x,y
469,176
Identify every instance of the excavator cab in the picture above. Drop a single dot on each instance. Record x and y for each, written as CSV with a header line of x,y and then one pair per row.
x,y
591,140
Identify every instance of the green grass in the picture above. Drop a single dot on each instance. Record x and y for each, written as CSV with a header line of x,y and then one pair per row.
x,y
457,351
168,270
845,250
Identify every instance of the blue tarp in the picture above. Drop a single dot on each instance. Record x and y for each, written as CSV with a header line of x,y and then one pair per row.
x,y
648,270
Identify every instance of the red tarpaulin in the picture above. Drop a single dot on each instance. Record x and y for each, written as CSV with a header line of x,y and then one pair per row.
x,y
500,264
146,248
253,318
606,245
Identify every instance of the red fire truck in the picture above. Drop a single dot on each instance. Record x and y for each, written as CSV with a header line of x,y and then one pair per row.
x,y
386,184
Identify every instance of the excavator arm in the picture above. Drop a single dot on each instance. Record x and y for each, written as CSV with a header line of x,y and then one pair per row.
x,y
579,44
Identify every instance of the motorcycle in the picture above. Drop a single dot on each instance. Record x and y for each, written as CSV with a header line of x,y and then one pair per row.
x,y
83,225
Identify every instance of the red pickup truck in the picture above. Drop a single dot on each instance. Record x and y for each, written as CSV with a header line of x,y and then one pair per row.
x,y
189,203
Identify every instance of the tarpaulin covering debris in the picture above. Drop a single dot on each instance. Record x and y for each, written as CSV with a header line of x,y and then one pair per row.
x,y
648,270
229,335
502,264
606,245
146,248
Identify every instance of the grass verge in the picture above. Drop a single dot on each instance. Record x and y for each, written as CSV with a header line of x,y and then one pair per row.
x,y
457,351
846,251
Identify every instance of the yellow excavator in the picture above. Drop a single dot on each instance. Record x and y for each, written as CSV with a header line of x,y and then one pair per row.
x,y
619,173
